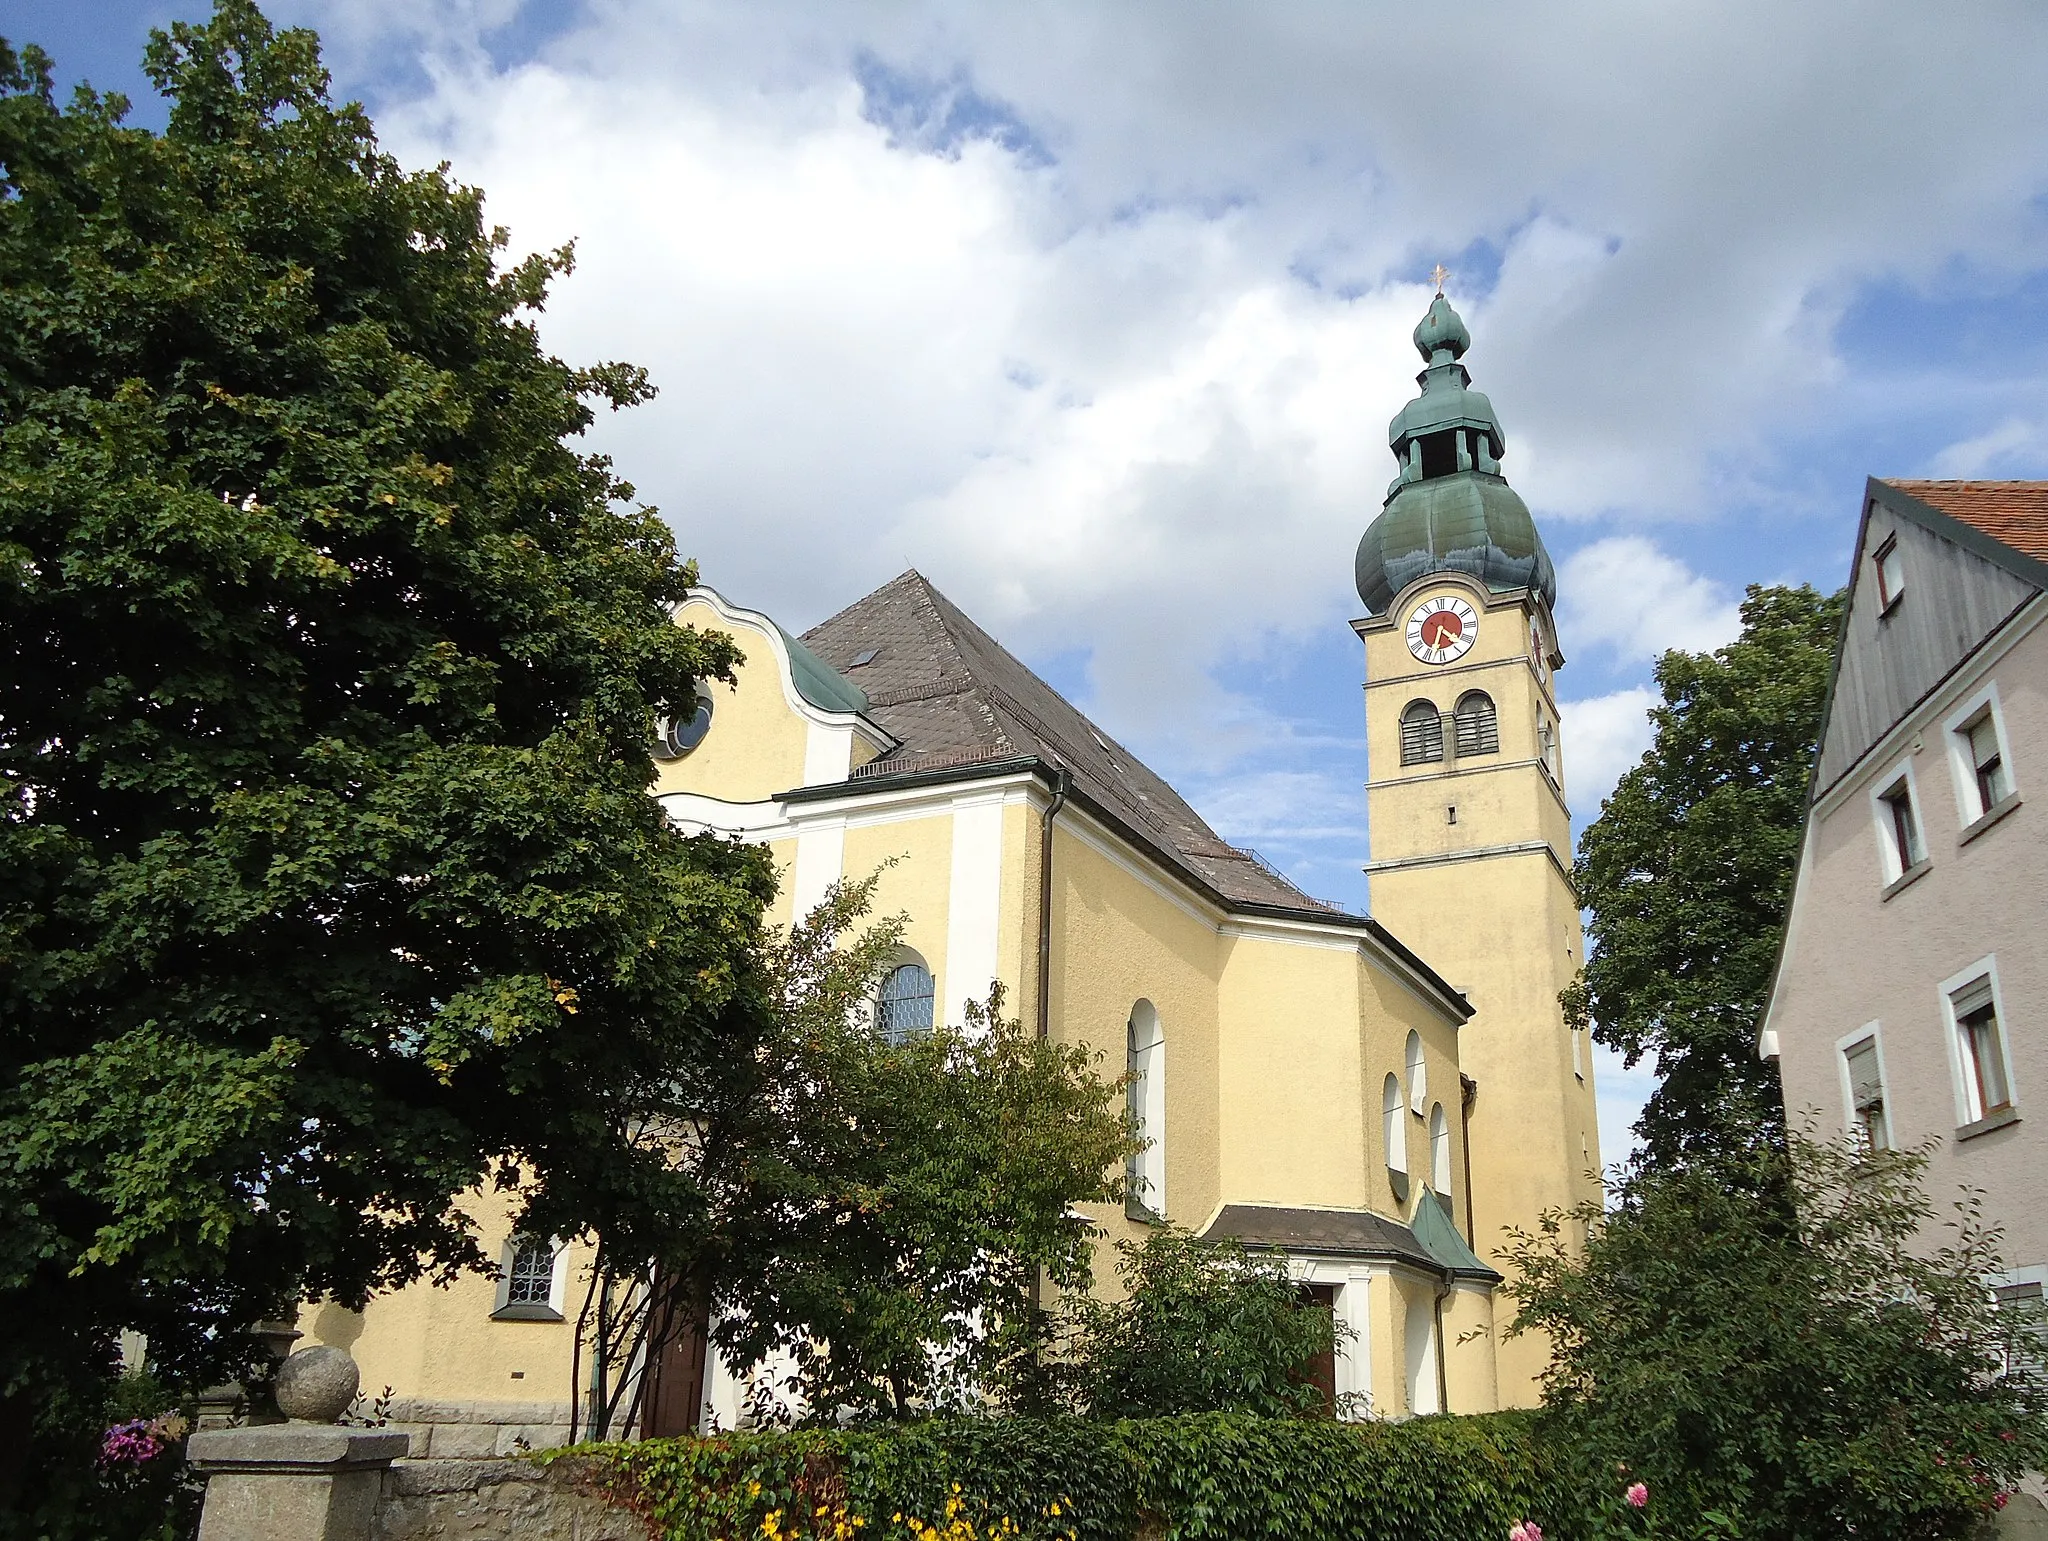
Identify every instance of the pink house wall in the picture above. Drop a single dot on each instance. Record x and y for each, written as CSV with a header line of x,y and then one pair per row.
x,y
1855,957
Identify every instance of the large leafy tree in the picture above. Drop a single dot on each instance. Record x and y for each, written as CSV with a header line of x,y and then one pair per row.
x,y
1688,870
1769,1340
332,884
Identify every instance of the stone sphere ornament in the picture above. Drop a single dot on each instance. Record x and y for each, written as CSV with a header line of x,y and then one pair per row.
x,y
316,1385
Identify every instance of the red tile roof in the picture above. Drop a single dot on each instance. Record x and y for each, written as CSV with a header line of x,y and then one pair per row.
x,y
2012,513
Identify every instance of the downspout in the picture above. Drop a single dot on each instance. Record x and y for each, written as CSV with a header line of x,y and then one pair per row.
x,y
1060,782
1469,1094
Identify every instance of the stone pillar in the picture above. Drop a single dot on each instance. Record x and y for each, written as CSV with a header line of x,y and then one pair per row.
x,y
304,1480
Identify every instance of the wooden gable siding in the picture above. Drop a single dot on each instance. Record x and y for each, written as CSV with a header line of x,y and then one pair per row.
x,y
1953,600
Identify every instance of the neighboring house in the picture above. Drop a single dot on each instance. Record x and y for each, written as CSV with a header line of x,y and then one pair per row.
x,y
1911,998
1305,1080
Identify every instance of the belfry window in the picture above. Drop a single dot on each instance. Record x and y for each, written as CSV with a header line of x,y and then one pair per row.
x,y
1478,725
1422,733
903,1006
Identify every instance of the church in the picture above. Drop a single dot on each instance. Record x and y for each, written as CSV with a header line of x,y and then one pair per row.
x,y
1380,1097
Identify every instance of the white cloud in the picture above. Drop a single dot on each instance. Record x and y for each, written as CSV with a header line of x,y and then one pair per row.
x,y
2014,446
1604,737
1096,314
1626,595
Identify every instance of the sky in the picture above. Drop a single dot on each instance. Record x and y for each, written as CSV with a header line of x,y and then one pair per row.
x,y
1095,313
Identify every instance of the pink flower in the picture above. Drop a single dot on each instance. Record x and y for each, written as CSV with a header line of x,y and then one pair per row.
x,y
1998,1500
1526,1530
1637,1495
130,1444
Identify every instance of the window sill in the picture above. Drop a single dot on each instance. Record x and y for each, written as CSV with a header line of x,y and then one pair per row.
x,y
1990,1121
526,1313
1988,817
1137,1209
1398,1181
1891,606
1906,879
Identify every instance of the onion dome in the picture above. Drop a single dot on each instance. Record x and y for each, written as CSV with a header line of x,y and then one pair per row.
x,y
1450,509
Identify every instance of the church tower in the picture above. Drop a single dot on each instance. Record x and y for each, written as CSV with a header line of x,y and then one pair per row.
x,y
1471,840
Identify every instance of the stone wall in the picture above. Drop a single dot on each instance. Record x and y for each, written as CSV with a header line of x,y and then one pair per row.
x,y
477,1430
492,1500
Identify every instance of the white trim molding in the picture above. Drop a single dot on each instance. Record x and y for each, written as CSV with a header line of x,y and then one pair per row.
x,y
974,895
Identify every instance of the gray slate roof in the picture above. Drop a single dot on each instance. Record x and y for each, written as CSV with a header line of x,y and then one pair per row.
x,y
954,696
1342,1233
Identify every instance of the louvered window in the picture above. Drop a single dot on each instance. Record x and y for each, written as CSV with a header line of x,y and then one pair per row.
x,y
1422,733
1478,725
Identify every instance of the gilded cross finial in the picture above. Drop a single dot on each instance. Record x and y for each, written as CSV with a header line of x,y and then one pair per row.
x,y
1438,274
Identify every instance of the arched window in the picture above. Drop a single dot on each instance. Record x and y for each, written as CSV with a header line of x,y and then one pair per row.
x,y
1477,723
1396,1131
1422,733
1146,1064
903,1006
1440,1152
1418,1074
1546,743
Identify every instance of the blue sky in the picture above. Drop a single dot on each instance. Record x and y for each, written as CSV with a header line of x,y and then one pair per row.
x,y
1096,314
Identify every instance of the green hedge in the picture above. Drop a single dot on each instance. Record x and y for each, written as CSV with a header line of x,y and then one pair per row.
x,y
1204,1477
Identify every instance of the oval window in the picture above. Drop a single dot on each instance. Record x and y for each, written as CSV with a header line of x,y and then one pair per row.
x,y
675,737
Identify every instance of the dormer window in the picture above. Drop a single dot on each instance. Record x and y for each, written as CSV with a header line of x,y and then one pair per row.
x,y
1891,576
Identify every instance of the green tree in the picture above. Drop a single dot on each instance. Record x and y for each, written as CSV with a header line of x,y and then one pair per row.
x,y
333,888
1688,870
1766,1340
1202,1327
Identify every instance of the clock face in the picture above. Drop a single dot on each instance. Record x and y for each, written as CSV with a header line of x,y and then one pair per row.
x,y
1442,630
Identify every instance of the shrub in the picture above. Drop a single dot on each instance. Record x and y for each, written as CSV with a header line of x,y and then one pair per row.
x,y
1203,1477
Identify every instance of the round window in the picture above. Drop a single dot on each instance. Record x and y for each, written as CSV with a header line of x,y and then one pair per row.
x,y
675,737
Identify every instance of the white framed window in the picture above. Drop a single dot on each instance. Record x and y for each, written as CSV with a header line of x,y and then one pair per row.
x,y
1891,574
532,1279
1145,1042
1979,755
1895,805
1395,1129
1418,1075
1865,1102
1440,1152
1980,1056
